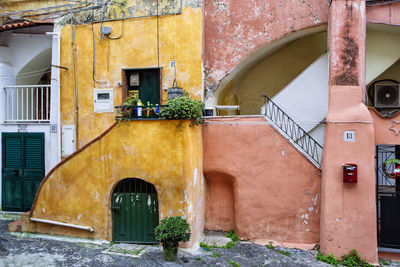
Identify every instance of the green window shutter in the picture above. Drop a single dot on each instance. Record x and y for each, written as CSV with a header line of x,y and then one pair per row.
x,y
34,154
22,169
150,86
12,153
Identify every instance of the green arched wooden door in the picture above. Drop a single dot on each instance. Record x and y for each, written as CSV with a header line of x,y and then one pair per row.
x,y
134,211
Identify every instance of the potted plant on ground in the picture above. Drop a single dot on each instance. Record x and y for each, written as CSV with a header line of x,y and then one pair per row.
x,y
170,232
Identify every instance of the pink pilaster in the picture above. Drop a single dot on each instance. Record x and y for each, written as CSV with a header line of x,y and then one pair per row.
x,y
348,213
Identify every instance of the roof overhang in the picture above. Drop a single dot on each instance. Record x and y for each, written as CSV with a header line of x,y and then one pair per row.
x,y
28,27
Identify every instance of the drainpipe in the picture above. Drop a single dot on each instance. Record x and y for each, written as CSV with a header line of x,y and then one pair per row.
x,y
87,228
75,81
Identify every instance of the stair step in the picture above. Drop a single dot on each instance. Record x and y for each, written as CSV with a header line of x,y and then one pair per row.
x,y
15,226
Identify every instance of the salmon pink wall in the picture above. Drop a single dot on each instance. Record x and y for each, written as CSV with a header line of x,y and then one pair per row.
x,y
258,184
386,128
384,14
235,29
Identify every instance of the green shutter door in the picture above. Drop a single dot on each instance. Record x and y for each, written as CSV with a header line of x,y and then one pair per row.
x,y
22,169
135,212
149,89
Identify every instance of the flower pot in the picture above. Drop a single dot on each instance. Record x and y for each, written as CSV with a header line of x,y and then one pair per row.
x,y
170,252
131,112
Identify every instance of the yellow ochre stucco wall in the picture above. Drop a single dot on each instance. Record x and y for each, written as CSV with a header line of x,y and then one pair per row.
x,y
137,48
79,191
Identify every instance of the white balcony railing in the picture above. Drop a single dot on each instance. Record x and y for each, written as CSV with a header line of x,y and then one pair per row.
x,y
27,103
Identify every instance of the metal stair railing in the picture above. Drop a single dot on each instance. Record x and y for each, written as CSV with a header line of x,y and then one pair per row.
x,y
291,130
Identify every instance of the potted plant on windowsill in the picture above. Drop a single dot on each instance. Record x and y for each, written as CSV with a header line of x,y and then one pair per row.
x,y
183,108
130,101
170,232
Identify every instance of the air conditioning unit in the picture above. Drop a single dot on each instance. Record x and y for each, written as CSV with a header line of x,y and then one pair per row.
x,y
387,96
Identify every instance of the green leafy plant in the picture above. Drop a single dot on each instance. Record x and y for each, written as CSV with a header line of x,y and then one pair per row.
x,y
286,253
183,108
235,264
216,254
131,101
383,262
232,236
354,259
229,245
330,259
270,246
172,230
199,259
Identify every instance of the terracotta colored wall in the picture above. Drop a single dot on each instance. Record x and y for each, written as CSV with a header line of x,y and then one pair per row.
x,y
259,183
348,211
79,191
137,48
235,29
386,128
385,14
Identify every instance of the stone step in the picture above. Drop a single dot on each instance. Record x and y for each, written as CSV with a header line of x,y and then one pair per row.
x,y
15,226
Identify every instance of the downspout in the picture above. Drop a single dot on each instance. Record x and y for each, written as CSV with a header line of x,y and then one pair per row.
x,y
87,228
75,80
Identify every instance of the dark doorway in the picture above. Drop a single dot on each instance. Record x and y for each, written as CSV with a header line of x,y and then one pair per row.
x,y
145,83
388,195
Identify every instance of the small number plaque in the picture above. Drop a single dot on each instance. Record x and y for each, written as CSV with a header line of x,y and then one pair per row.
x,y
349,136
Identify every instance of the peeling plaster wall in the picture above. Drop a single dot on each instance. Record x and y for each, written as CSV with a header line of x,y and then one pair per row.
x,y
137,48
234,30
258,184
79,191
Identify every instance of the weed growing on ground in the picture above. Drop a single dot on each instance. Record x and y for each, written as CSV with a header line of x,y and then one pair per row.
x,y
286,253
199,259
270,246
229,245
216,254
207,247
383,262
352,259
137,252
232,236
330,259
235,264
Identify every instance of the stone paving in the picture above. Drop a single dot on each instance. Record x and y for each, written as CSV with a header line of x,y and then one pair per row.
x,y
22,249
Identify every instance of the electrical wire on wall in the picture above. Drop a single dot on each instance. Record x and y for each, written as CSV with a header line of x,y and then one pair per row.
x,y
94,60
175,43
158,40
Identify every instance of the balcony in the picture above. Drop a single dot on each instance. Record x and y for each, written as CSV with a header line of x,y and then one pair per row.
x,y
27,104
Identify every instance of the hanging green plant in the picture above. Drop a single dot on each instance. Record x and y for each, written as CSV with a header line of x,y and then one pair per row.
x,y
183,108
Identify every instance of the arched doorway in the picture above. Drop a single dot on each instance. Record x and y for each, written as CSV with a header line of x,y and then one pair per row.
x,y
134,211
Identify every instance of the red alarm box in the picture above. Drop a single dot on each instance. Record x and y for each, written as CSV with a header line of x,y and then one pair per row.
x,y
349,173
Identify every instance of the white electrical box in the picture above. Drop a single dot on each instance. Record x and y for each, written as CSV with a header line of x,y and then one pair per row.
x,y
68,140
103,100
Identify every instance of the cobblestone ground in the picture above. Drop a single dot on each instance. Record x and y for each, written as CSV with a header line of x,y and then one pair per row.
x,y
39,250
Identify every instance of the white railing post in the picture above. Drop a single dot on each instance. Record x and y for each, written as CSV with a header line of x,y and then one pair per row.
x,y
27,103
